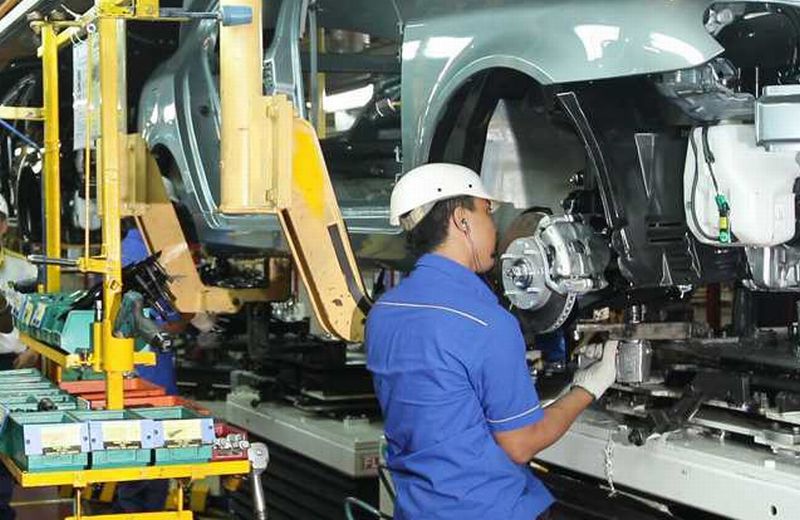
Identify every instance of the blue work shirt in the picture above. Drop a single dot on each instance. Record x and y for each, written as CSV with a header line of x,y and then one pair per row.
x,y
448,365
134,249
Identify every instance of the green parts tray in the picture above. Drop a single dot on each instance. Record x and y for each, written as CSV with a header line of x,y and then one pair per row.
x,y
27,386
54,397
119,438
46,441
33,405
20,372
185,435
50,318
23,375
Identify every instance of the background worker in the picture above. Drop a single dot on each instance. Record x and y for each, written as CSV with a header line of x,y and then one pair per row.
x,y
462,417
13,354
6,480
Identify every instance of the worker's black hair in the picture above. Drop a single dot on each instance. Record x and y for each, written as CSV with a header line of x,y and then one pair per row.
x,y
126,224
431,231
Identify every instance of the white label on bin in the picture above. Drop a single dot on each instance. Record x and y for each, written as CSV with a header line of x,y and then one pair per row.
x,y
28,314
122,435
61,439
39,315
182,432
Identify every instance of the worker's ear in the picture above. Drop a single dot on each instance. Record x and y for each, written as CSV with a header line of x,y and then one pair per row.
x,y
461,219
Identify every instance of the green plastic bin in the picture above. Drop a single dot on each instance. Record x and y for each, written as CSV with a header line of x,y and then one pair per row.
x,y
184,436
118,437
22,375
46,441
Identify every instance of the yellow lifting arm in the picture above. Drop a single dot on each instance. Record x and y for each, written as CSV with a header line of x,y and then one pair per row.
x,y
272,163
143,196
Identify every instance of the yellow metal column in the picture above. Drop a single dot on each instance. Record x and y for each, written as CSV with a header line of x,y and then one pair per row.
x,y
241,80
52,166
116,353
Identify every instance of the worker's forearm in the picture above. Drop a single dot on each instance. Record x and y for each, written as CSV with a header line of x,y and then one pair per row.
x,y
559,416
523,444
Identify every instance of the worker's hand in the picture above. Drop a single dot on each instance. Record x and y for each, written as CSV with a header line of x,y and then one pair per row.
x,y
597,377
204,322
26,359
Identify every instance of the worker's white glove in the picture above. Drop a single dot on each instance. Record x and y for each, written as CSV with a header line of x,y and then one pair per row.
x,y
204,322
600,375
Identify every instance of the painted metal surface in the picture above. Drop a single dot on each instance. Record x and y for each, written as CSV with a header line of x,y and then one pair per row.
x,y
84,477
724,477
52,160
179,111
444,45
552,41
272,163
348,447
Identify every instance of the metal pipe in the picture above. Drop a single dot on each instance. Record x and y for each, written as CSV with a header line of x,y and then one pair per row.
x,y
117,354
12,129
87,151
259,502
46,260
313,80
43,502
52,165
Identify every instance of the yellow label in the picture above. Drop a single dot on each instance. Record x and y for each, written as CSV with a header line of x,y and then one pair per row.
x,y
61,438
122,434
182,432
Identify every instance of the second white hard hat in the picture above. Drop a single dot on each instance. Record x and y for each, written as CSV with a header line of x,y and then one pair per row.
x,y
422,187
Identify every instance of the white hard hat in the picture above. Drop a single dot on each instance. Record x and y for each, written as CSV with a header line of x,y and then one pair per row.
x,y
425,185
3,206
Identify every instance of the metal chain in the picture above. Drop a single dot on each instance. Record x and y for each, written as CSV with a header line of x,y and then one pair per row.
x,y
608,454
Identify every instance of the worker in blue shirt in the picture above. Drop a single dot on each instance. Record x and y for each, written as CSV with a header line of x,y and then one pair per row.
x,y
462,417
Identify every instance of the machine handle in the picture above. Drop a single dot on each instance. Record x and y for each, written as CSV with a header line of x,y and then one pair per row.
x,y
258,454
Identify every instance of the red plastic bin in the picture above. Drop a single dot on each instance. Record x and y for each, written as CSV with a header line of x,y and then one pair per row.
x,y
94,389
221,451
150,401
98,386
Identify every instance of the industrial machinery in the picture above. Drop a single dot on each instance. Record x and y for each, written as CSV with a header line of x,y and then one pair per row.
x,y
648,149
644,159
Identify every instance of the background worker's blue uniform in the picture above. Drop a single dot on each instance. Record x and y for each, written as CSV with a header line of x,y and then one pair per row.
x,y
146,495
448,365
162,373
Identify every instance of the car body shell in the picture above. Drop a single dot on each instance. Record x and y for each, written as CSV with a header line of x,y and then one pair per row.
x,y
443,45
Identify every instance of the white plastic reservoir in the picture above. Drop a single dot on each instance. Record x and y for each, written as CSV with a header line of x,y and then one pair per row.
x,y
757,183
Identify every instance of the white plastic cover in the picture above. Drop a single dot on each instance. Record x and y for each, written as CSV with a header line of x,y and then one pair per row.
x,y
758,185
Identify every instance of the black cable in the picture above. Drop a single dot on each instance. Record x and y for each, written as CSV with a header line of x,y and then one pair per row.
x,y
693,195
710,159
